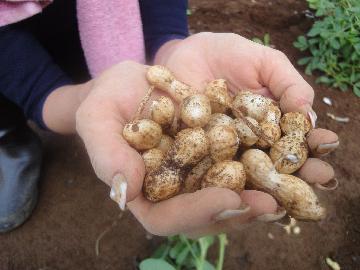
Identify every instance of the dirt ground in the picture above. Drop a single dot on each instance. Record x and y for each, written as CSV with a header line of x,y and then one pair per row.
x,y
74,208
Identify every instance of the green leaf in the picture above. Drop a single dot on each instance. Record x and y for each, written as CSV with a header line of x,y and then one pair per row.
x,y
357,47
343,87
313,41
355,56
258,40
323,79
356,90
304,61
301,43
355,10
161,251
208,266
267,39
325,34
301,39
316,30
334,43
173,238
174,251
308,70
182,256
207,241
155,264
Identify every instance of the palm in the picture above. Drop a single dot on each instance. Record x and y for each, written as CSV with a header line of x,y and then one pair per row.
x,y
244,64
205,57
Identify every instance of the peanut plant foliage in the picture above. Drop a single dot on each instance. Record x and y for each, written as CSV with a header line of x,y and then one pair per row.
x,y
334,44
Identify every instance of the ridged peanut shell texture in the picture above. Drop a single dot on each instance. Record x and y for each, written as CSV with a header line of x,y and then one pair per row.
x,y
246,136
272,133
193,179
163,79
142,134
218,119
162,184
226,174
294,194
289,153
190,146
294,121
251,104
219,96
272,115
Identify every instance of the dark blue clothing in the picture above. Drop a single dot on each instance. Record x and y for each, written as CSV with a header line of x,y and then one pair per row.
x,y
163,20
28,73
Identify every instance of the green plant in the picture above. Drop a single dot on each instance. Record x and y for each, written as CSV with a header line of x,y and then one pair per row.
x,y
180,253
265,41
334,44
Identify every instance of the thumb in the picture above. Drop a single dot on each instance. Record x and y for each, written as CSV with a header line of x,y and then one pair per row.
x,y
114,161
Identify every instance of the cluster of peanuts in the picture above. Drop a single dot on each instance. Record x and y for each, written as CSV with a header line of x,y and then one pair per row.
x,y
220,140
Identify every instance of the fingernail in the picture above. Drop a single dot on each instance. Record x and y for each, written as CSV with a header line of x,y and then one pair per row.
x,y
118,190
313,117
331,185
326,148
279,214
226,214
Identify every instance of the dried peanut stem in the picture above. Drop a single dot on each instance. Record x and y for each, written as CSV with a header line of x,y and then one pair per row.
x,y
143,103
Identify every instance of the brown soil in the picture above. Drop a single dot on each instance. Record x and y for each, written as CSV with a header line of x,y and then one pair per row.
x,y
74,207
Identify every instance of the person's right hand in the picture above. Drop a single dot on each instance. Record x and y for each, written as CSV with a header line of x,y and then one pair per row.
x,y
112,102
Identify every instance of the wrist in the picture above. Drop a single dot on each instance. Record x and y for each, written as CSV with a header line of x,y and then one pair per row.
x,y
165,51
60,107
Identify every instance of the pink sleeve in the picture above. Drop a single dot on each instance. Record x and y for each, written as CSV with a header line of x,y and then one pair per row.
x,y
16,10
110,32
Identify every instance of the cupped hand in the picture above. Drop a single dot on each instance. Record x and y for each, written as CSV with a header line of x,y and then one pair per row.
x,y
247,65
117,93
111,103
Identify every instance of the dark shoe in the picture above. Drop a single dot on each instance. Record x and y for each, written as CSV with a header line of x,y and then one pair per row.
x,y
20,163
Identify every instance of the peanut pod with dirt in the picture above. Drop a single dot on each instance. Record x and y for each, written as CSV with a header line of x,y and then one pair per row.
x,y
222,140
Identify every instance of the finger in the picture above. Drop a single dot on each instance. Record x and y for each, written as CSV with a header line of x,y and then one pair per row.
x,y
219,58
285,82
248,65
322,141
113,160
100,121
324,171
263,208
186,212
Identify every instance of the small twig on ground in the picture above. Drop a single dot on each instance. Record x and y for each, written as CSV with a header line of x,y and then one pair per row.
x,y
108,229
338,118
